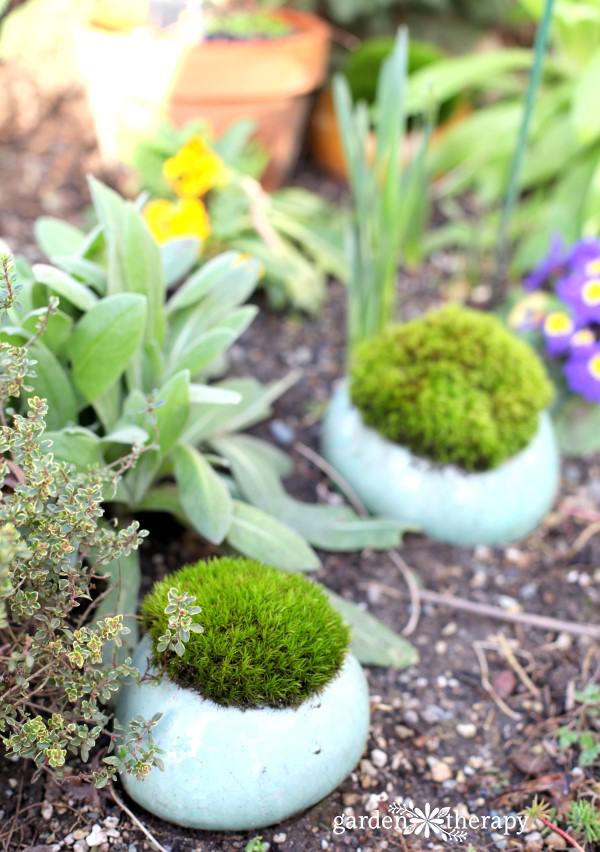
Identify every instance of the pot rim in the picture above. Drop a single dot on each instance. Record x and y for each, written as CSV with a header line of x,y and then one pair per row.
x,y
263,709
426,463
307,25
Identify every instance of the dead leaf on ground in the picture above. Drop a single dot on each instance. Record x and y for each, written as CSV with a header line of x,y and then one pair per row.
x,y
531,761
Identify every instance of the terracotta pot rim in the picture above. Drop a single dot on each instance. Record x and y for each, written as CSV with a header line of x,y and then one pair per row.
x,y
306,24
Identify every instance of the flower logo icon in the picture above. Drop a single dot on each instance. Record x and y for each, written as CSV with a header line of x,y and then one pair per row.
x,y
426,821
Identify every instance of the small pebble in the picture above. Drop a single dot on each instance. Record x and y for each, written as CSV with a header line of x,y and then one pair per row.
x,y
572,576
367,767
528,591
483,552
96,837
512,554
403,732
467,730
509,604
563,641
379,758
432,714
303,355
282,433
440,771
280,838
479,580
46,810
410,717
555,841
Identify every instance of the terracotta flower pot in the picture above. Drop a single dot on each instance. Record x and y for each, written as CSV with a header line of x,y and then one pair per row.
x,y
136,79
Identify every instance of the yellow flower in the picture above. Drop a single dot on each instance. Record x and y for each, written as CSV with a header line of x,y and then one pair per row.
x,y
195,169
169,220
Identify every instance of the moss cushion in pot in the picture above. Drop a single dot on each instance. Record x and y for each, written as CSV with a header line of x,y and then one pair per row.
x,y
443,424
266,711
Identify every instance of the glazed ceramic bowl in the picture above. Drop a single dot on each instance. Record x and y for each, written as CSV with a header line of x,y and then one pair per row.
x,y
501,505
232,769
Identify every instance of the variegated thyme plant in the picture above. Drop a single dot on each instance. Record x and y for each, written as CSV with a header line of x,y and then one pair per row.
x,y
58,665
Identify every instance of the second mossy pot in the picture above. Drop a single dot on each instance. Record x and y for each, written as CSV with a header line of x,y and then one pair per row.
x,y
444,425
462,508
263,715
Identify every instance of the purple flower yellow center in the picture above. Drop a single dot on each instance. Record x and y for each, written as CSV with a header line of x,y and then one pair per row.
x,y
594,367
593,267
584,337
558,323
591,292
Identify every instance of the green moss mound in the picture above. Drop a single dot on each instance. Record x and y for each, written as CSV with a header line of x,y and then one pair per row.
x,y
269,638
453,386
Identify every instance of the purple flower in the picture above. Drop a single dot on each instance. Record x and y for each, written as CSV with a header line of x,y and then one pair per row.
x,y
582,294
558,332
584,257
582,372
552,266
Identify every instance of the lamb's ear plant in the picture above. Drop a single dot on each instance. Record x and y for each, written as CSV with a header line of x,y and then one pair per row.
x,y
390,198
128,359
59,661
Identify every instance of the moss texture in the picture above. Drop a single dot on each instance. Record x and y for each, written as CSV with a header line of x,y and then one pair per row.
x,y
269,638
453,386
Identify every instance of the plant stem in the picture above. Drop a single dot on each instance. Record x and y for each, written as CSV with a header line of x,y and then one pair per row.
x,y
541,39
562,833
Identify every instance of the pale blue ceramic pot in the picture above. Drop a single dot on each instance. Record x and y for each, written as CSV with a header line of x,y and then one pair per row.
x,y
449,504
228,769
